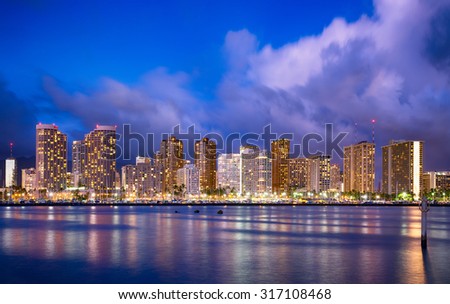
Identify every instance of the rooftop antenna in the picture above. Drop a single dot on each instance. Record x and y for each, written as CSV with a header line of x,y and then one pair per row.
x,y
373,131
356,132
11,149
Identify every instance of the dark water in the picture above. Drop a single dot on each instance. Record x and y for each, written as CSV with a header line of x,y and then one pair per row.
x,y
280,244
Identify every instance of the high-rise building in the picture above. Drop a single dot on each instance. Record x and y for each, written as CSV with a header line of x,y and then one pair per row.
x,y
10,172
144,177
158,174
138,180
256,171
428,181
117,182
206,161
335,177
78,162
403,167
171,154
51,158
247,155
443,180
319,168
359,167
299,173
29,179
99,171
129,180
263,173
229,172
188,178
280,165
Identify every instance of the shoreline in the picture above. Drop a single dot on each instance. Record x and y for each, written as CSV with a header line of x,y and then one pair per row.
x,y
113,204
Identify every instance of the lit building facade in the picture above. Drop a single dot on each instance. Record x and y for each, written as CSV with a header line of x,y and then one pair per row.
x,y
129,180
443,180
99,171
229,172
206,161
299,173
158,174
189,176
78,163
263,167
335,178
138,180
145,177
256,171
319,168
280,165
29,179
10,172
359,167
403,167
51,158
435,180
171,155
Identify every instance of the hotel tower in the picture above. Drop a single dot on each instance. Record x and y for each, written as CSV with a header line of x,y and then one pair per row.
x,y
99,171
51,158
359,167
206,162
403,167
280,165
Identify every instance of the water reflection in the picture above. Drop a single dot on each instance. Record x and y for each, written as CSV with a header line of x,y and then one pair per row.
x,y
244,245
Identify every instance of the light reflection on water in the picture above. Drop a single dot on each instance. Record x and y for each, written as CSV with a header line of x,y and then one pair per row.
x,y
306,244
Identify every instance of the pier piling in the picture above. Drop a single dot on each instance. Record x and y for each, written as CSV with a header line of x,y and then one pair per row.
x,y
424,208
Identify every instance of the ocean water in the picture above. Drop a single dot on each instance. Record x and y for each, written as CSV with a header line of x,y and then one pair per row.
x,y
245,244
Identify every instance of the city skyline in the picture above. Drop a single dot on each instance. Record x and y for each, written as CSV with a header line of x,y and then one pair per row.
x,y
260,172
348,65
173,155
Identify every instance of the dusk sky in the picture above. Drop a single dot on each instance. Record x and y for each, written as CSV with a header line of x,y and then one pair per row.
x,y
228,66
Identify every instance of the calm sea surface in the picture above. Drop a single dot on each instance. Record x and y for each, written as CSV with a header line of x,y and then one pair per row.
x,y
246,244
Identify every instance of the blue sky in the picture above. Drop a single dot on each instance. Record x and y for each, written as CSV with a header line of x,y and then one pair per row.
x,y
78,42
228,66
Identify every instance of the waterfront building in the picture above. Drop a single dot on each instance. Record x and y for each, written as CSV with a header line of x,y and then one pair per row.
x,y
442,180
436,180
403,167
319,168
129,180
280,165
428,181
51,158
99,171
78,163
256,171
117,181
10,172
144,177
138,181
188,180
299,173
229,172
335,178
263,174
158,174
29,179
359,167
171,157
206,162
